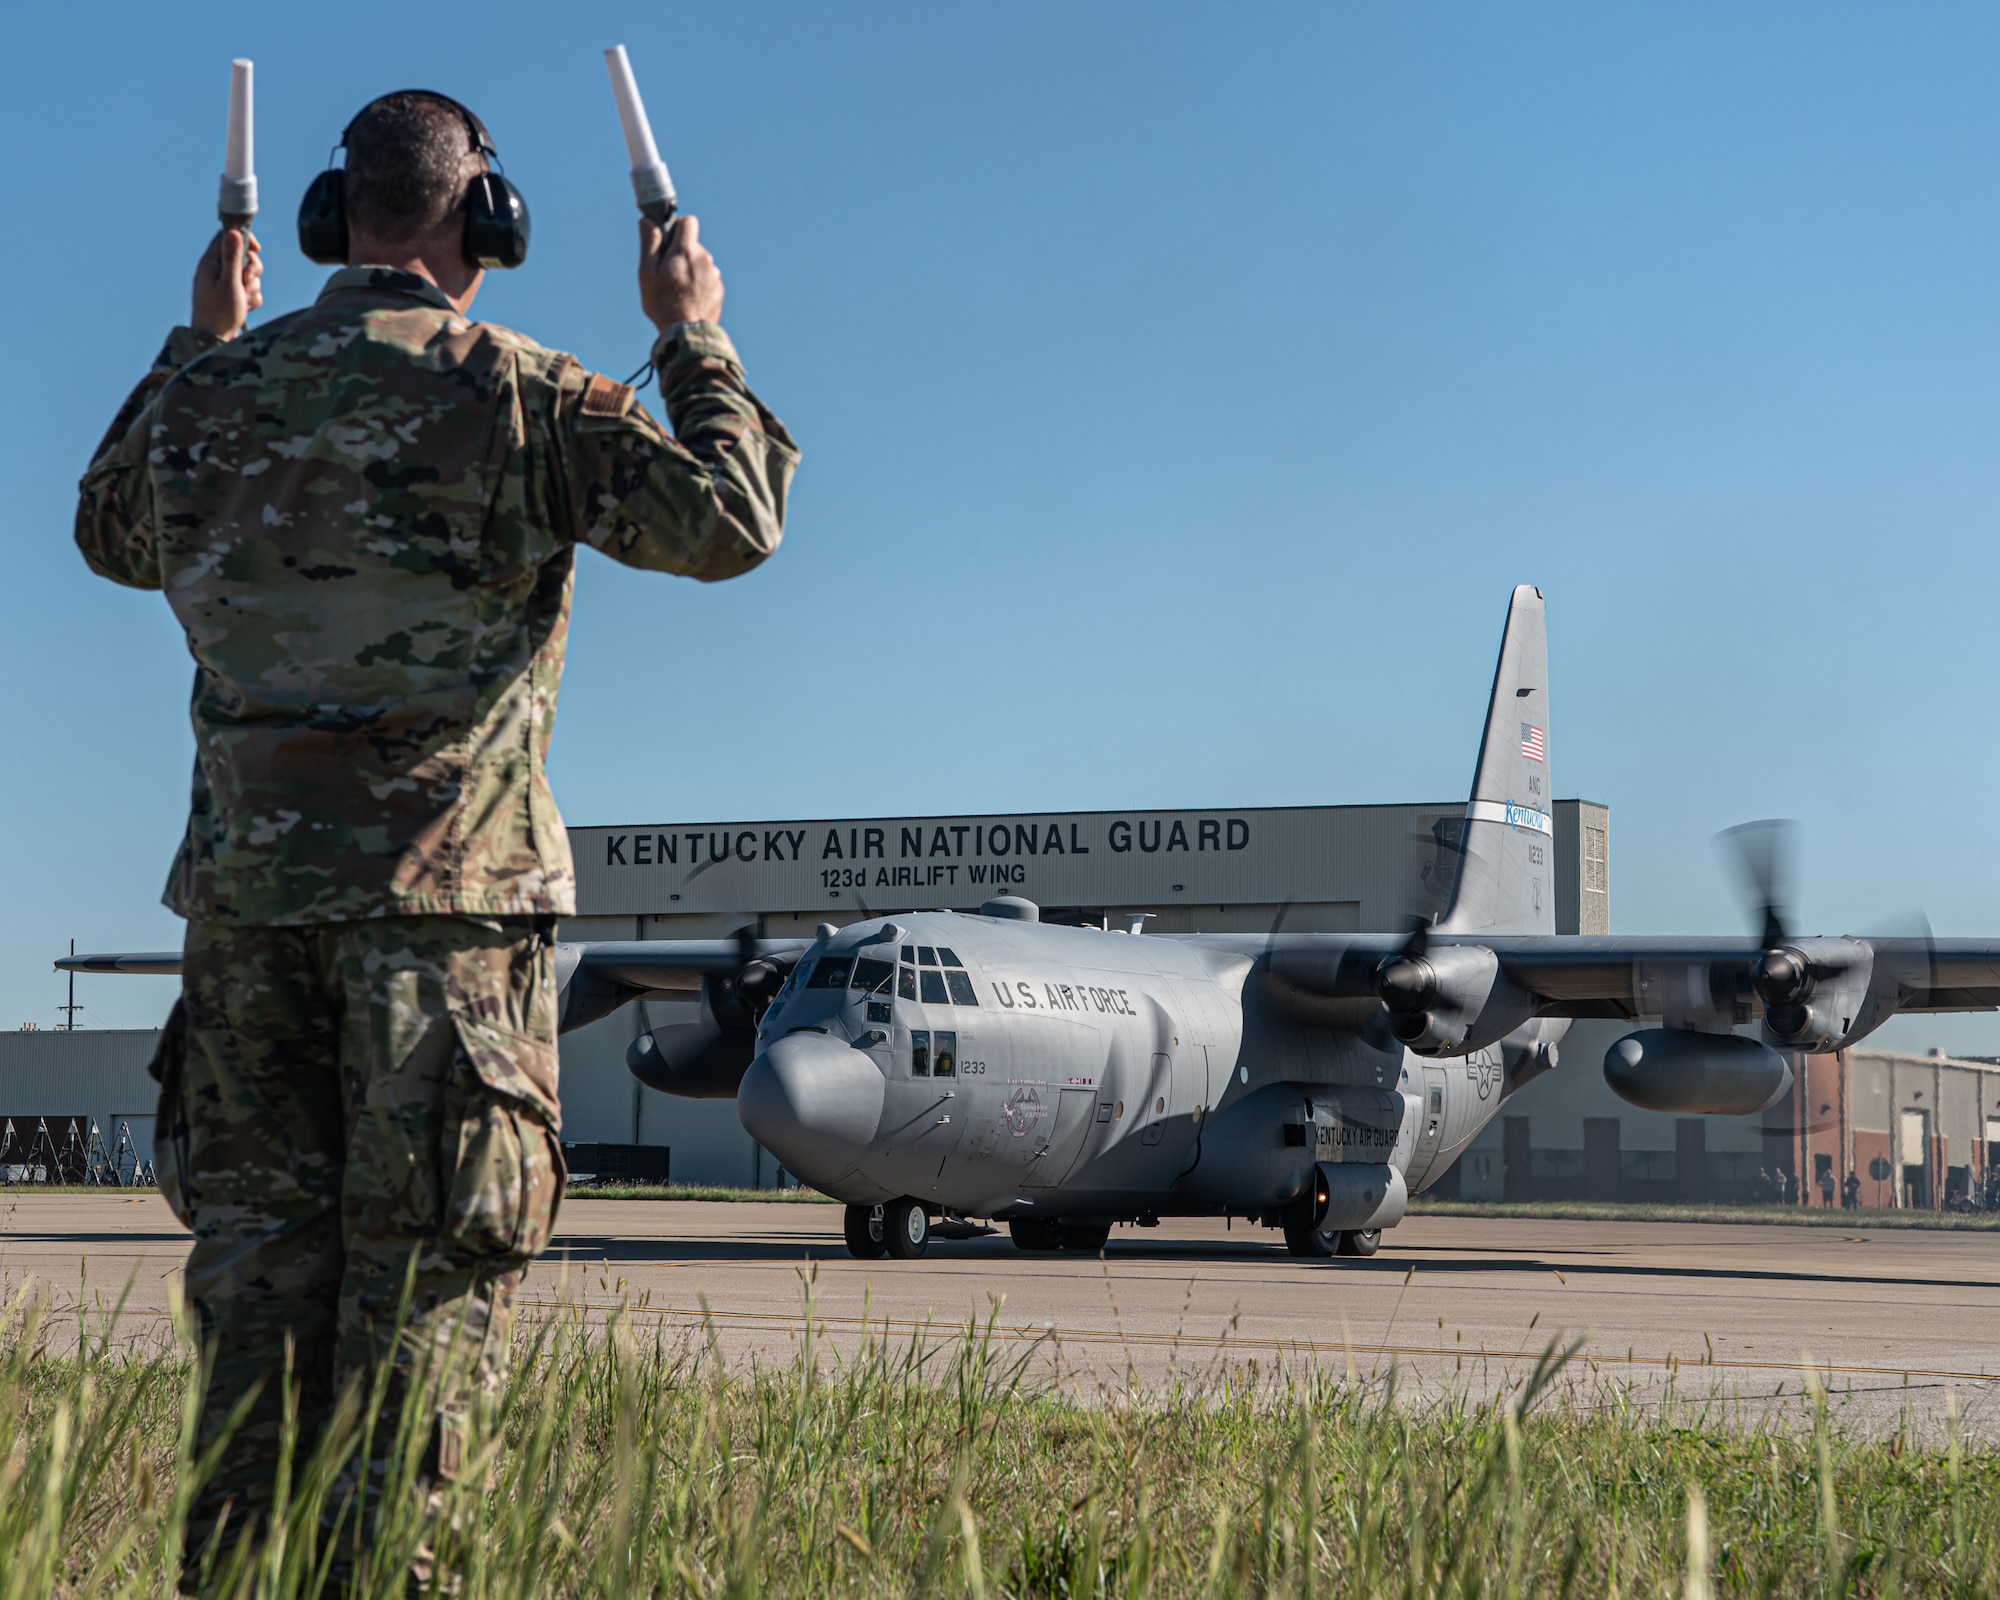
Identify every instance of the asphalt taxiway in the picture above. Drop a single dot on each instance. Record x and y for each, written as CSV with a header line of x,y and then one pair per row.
x,y
1726,1316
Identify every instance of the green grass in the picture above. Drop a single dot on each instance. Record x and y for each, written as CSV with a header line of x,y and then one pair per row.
x,y
1770,1216
636,1464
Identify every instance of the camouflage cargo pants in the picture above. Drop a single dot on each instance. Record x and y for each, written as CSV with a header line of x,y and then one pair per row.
x,y
348,1109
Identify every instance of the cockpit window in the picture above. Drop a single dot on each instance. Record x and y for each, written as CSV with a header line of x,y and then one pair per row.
x,y
947,959
926,956
934,994
961,989
801,975
910,954
831,973
871,975
920,1053
906,983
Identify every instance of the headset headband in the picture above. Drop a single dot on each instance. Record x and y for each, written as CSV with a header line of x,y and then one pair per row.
x,y
482,141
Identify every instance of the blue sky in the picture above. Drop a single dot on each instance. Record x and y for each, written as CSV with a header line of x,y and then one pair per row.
x,y
1181,388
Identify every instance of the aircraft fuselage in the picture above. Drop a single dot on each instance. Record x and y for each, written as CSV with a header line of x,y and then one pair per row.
x,y
998,1068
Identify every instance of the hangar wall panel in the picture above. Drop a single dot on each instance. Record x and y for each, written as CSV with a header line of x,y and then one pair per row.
x,y
99,1073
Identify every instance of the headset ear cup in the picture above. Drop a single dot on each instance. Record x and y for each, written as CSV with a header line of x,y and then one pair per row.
x,y
496,222
323,219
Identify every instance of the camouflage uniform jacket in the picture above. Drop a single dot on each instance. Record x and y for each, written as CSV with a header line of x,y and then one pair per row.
x,y
365,515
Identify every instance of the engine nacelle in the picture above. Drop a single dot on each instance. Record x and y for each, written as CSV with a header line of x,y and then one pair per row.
x,y
702,1060
1816,1026
581,996
1696,1074
1822,994
1451,1000
692,1059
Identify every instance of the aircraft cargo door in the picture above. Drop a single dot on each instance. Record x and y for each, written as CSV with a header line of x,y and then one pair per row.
x,y
1050,1164
1430,1125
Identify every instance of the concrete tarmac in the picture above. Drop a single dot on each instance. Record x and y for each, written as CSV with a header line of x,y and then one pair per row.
x,y
1688,1315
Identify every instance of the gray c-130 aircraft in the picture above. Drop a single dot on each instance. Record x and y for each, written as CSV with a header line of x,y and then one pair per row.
x,y
931,1070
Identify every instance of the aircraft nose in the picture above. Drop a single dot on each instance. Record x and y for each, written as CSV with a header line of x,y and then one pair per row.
x,y
814,1103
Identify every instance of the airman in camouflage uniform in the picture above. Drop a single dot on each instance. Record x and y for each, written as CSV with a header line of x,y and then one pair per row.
x,y
365,515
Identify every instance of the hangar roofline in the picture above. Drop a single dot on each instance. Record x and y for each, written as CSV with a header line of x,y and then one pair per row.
x,y
1090,811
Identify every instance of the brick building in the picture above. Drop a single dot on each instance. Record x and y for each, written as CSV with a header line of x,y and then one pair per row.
x,y
1912,1131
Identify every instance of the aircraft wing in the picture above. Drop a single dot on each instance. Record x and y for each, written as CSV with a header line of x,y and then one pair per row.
x,y
1625,977
156,963
1814,993
656,965
637,963
596,979
593,979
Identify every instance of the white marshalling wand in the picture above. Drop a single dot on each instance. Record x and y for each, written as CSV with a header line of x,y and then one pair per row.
x,y
650,183
237,203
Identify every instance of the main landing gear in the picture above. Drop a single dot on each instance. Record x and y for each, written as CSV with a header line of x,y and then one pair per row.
x,y
901,1229
1303,1238
1041,1234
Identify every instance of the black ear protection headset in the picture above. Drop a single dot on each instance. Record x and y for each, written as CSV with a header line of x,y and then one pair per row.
x,y
496,217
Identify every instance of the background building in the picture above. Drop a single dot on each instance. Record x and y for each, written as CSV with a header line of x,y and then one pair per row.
x,y
75,1079
1914,1130
1328,869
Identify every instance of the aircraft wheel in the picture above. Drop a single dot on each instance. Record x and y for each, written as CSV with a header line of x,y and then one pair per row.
x,y
906,1229
1303,1239
1085,1236
863,1226
1360,1242
1035,1233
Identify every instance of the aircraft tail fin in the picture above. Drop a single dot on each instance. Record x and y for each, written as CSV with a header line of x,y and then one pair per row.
x,y
1506,874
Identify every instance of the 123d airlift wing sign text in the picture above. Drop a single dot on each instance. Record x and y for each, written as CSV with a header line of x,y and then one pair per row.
x,y
919,855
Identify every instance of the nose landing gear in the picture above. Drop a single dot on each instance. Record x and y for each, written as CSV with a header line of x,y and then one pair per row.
x,y
863,1227
901,1229
906,1229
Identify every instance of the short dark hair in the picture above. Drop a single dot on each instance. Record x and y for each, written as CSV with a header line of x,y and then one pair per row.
x,y
406,166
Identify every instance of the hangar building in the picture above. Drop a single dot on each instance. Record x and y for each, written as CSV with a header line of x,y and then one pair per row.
x,y
1916,1130
1316,869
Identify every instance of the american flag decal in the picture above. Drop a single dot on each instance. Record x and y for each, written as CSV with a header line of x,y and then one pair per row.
x,y
1531,742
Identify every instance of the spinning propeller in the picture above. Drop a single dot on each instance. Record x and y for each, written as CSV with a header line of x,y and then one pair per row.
x,y
1408,983
1765,854
1799,978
